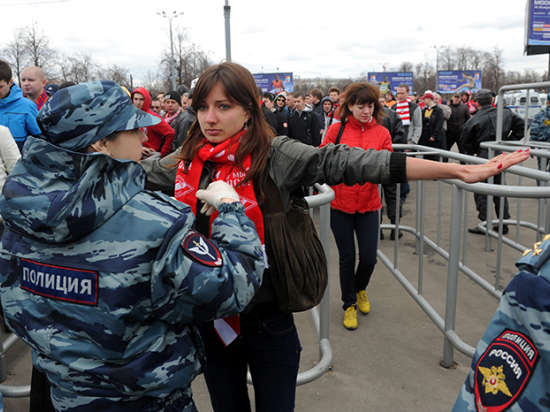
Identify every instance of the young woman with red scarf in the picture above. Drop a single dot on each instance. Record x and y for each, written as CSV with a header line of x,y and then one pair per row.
x,y
231,141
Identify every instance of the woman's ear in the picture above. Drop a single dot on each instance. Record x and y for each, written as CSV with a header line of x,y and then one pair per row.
x,y
99,146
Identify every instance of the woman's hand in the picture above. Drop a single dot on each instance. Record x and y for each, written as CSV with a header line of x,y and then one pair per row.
x,y
496,165
420,169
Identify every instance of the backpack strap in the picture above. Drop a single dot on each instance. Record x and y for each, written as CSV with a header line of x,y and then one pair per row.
x,y
339,137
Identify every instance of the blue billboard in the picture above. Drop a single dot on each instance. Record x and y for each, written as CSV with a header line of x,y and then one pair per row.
x,y
390,80
451,81
274,82
537,27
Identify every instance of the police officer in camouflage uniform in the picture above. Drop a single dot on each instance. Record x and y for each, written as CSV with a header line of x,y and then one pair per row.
x,y
104,280
540,132
511,366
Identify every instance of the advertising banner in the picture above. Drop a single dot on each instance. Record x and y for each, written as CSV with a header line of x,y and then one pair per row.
x,y
274,82
537,27
390,80
451,81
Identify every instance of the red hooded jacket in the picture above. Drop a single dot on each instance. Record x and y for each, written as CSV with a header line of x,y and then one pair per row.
x,y
358,198
158,133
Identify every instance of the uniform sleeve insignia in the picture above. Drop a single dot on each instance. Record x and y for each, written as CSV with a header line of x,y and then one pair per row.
x,y
503,371
201,249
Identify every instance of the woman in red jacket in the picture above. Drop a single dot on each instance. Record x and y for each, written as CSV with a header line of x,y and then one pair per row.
x,y
354,210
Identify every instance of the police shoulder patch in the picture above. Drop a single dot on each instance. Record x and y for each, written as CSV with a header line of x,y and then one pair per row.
x,y
59,282
201,249
503,371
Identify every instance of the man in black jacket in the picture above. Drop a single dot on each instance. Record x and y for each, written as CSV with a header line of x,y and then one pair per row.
x,y
304,125
393,123
459,115
267,109
482,128
433,134
182,123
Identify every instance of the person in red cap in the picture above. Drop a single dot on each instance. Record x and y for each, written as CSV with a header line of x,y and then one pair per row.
x,y
433,134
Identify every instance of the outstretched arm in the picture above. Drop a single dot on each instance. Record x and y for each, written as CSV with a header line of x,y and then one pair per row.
x,y
420,169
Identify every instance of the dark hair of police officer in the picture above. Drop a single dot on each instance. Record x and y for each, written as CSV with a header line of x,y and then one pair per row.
x,y
362,93
240,88
483,97
5,71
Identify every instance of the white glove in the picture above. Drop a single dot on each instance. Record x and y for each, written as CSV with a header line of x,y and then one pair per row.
x,y
214,193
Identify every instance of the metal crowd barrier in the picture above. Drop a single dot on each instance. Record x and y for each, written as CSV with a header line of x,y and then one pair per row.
x,y
9,390
321,313
456,255
501,103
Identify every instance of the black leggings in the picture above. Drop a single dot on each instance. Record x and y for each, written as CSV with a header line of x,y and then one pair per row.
x,y
365,226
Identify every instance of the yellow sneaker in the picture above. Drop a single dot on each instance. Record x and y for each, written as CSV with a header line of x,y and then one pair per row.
x,y
350,318
363,302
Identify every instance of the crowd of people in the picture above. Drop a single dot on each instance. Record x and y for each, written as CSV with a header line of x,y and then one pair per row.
x,y
125,294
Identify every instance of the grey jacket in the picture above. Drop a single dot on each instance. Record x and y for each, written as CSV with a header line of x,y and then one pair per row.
x,y
293,164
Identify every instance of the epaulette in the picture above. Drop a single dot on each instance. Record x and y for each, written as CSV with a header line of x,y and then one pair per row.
x,y
534,259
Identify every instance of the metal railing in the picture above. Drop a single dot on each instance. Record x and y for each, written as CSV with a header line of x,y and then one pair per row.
x,y
456,255
10,391
321,313
501,103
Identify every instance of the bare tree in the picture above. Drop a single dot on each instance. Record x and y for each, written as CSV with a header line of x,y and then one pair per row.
x,y
493,74
16,53
117,74
77,69
190,60
38,47
447,59
406,67
424,77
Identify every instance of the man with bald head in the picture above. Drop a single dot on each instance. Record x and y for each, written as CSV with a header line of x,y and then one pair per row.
x,y
33,82
16,112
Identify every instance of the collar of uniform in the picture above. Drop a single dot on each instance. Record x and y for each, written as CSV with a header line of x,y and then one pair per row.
x,y
536,259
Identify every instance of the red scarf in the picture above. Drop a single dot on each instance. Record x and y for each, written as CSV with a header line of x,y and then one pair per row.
x,y
169,117
223,156
41,100
187,183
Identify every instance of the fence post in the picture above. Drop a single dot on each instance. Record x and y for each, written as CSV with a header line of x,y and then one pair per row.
x,y
452,276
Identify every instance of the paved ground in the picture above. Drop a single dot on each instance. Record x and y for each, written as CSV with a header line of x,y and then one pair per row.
x,y
391,363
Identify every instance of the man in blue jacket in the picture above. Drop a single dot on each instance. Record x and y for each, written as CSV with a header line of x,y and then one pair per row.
x,y
17,113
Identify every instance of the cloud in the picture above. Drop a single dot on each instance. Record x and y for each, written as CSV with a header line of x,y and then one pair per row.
x,y
501,23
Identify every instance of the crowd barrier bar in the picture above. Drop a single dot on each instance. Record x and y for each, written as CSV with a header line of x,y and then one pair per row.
x,y
321,313
456,263
501,104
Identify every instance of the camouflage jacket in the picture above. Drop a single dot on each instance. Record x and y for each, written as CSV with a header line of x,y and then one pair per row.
x,y
540,127
511,366
103,279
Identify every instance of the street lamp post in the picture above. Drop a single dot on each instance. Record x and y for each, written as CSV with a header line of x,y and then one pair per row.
x,y
436,65
226,13
170,17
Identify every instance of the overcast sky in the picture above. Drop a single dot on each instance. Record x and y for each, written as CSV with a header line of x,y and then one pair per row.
x,y
334,38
